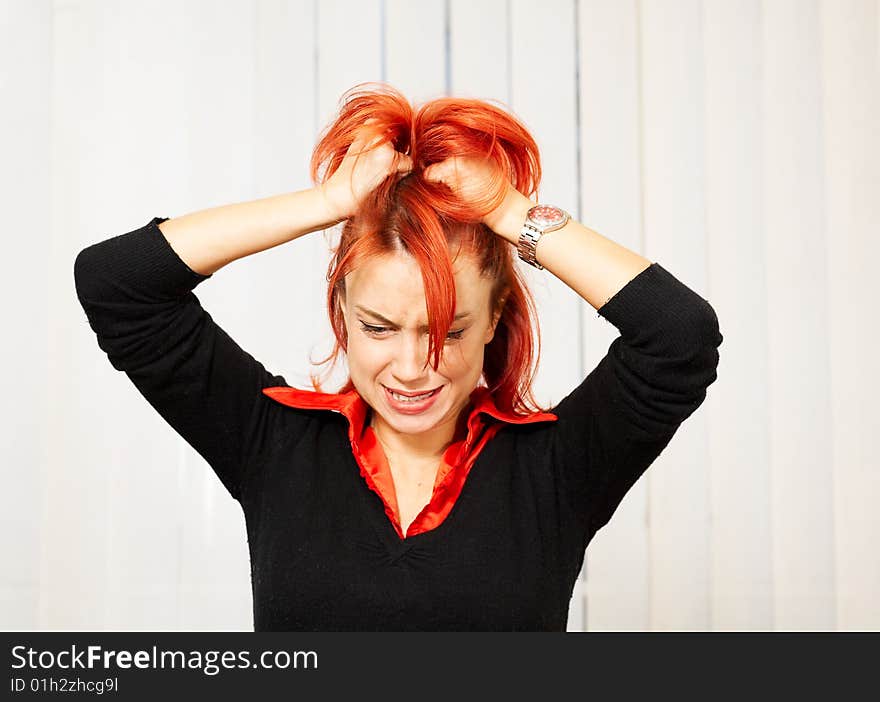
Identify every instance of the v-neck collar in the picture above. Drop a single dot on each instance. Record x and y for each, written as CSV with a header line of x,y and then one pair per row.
x,y
470,437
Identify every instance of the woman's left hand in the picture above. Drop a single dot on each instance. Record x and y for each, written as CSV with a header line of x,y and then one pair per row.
x,y
470,178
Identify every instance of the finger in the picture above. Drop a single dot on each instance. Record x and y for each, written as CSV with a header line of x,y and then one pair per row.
x,y
365,142
362,140
435,172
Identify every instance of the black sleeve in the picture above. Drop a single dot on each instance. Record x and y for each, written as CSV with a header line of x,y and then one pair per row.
x,y
137,295
623,414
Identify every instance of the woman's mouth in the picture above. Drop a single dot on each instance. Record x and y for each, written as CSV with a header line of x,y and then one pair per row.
x,y
411,405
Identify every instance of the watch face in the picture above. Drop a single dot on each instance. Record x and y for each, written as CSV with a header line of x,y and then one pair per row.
x,y
546,215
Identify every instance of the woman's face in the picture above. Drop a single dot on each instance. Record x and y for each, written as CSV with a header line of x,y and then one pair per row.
x,y
386,318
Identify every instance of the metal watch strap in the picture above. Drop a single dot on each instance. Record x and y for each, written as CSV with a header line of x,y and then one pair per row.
x,y
528,242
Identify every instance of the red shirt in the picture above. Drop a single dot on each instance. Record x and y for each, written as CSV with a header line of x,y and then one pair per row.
x,y
469,439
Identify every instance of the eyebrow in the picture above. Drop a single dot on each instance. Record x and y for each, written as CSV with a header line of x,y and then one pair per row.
x,y
385,320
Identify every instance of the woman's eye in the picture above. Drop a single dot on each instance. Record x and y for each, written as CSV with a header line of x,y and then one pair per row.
x,y
374,330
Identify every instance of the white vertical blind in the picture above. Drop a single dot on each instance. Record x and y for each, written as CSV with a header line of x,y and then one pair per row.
x,y
415,47
616,569
799,380
850,63
733,143
739,465
25,172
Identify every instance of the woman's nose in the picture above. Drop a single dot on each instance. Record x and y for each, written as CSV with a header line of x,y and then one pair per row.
x,y
411,358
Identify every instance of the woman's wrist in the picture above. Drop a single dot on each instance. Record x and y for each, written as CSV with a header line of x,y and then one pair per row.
x,y
507,219
335,208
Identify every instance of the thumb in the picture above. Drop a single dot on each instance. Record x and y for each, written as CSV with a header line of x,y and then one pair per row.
x,y
404,163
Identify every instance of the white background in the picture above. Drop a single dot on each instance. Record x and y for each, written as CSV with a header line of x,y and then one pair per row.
x,y
734,142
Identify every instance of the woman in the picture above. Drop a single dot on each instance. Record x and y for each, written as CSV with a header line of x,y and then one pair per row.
x,y
415,497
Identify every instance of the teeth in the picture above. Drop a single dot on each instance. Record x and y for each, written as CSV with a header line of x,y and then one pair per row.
x,y
402,398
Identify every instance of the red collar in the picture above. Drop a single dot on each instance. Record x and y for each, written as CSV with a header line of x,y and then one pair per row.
x,y
352,406
470,437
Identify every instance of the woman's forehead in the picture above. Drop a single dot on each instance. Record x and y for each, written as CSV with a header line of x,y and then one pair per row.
x,y
393,285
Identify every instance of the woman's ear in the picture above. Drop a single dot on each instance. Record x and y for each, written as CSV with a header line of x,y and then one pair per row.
x,y
490,334
340,300
495,317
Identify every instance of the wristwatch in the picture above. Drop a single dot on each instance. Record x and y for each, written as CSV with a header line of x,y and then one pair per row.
x,y
540,219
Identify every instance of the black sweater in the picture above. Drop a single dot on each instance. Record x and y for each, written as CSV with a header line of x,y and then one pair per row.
x,y
324,554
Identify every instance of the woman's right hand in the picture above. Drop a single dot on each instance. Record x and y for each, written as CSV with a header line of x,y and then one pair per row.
x,y
364,167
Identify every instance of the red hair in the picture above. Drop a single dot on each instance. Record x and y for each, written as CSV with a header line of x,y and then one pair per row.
x,y
425,220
